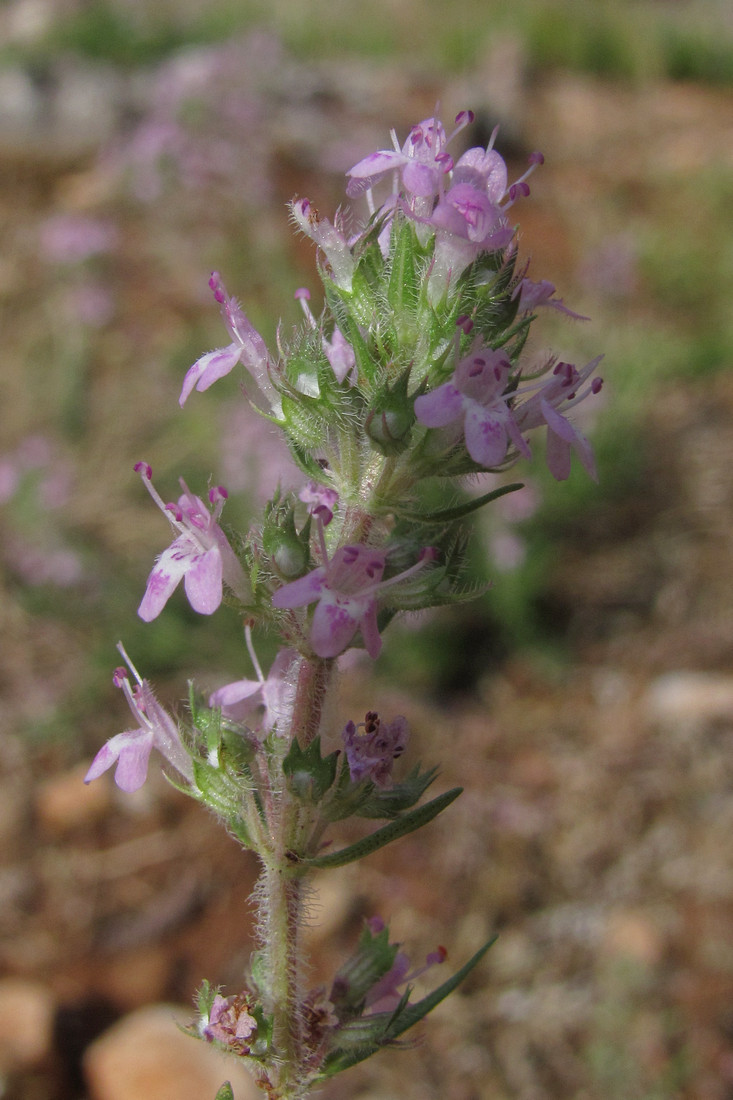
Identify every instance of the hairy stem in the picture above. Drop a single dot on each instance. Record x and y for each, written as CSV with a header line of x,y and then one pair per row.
x,y
281,897
314,678
281,893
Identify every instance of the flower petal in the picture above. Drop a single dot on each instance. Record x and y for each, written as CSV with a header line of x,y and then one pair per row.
x,y
236,692
440,407
557,455
164,577
486,435
334,624
208,369
203,581
560,428
301,592
131,750
370,631
383,160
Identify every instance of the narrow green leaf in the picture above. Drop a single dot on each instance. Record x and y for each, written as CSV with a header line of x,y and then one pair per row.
x,y
412,1014
448,515
403,825
225,1092
403,1018
402,291
393,801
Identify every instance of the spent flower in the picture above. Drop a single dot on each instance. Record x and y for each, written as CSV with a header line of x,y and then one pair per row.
x,y
372,747
230,1023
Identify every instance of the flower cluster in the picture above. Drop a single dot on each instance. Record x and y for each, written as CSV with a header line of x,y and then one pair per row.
x,y
414,374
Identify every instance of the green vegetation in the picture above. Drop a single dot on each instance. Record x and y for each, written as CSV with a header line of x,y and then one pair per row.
x,y
619,39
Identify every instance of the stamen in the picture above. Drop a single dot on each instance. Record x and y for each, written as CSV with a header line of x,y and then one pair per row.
x,y
252,654
302,295
123,653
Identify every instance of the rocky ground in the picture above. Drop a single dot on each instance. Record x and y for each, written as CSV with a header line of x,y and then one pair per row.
x,y
594,830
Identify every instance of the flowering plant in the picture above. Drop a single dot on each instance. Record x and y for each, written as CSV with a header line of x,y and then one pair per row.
x,y
413,372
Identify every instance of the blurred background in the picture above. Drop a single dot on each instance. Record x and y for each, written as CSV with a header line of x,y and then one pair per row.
x,y
585,702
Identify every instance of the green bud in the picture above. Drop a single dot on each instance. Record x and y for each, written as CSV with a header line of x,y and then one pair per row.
x,y
389,421
309,775
287,548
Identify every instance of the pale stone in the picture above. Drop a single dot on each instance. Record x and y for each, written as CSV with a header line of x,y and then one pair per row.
x,y
147,1055
632,934
26,1023
134,977
64,802
689,697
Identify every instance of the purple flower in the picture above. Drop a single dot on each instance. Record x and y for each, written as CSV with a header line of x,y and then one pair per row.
x,y
200,555
230,1022
268,698
533,295
247,347
475,394
561,391
466,223
386,994
420,164
372,746
320,501
467,213
130,750
345,592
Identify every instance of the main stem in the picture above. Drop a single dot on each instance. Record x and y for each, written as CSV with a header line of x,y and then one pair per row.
x,y
282,890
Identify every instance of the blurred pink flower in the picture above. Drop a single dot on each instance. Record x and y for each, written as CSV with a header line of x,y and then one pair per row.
x,y
73,238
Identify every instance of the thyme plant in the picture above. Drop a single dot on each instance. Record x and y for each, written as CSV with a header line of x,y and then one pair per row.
x,y
413,372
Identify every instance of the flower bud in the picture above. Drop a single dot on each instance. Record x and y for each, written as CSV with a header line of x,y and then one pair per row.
x,y
390,419
288,554
287,549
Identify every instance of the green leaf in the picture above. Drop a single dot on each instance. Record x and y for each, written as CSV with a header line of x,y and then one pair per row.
x,y
363,1041
403,825
373,958
402,292
412,1014
448,515
225,1092
395,800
